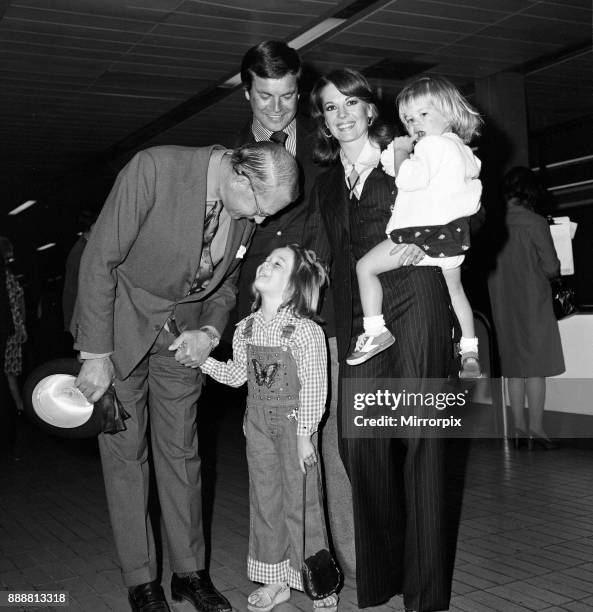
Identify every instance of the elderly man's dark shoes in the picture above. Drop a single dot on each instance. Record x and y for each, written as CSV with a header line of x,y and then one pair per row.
x,y
197,588
148,597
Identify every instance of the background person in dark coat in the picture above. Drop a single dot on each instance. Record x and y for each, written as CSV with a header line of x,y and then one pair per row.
x,y
521,296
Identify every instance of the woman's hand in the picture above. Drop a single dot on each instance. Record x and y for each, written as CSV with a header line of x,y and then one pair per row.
x,y
306,453
409,254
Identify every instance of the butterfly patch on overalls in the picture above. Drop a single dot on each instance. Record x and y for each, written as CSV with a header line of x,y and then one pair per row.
x,y
265,374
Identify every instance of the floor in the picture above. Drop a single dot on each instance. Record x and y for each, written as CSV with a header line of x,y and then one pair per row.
x,y
525,539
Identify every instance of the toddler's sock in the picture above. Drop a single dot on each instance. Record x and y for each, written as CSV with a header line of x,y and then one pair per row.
x,y
468,345
374,326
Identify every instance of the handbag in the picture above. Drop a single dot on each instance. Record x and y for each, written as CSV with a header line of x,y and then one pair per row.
x,y
563,299
320,573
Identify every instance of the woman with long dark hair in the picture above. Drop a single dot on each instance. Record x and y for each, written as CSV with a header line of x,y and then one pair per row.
x,y
397,483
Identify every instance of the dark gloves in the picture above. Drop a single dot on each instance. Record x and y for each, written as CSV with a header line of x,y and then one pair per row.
x,y
112,412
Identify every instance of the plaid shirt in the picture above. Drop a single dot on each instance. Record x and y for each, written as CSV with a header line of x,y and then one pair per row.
x,y
307,345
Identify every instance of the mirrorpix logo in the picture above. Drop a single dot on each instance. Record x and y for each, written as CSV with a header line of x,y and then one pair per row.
x,y
397,411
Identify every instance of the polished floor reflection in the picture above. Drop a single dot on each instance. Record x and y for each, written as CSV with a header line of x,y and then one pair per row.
x,y
525,537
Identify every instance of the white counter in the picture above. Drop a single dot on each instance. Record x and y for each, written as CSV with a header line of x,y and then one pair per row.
x,y
572,392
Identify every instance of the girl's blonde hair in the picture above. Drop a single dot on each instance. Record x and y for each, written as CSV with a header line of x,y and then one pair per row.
x,y
464,119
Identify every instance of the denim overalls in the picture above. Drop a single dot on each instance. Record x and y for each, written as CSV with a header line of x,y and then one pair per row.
x,y
275,479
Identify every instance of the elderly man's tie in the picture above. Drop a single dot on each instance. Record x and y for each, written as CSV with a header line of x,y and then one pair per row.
x,y
279,137
206,267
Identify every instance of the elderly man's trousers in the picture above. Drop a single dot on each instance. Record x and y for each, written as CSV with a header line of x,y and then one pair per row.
x,y
160,395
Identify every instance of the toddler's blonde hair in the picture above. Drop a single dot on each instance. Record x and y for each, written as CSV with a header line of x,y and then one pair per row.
x,y
464,119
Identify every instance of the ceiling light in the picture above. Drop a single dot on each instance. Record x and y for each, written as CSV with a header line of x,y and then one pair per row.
x,y
300,41
44,247
317,31
232,82
24,206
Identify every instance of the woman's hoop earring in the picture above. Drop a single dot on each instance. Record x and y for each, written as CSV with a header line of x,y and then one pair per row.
x,y
326,131
370,121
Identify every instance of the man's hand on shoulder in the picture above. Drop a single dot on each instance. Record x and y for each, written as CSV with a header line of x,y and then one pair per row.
x,y
95,377
193,347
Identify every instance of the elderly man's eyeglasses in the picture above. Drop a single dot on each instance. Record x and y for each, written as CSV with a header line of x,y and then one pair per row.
x,y
258,209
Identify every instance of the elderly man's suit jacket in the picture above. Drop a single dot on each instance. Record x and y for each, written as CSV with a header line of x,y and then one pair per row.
x,y
143,254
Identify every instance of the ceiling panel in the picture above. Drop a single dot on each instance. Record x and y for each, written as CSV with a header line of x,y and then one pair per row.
x,y
211,45
520,27
138,9
14,36
234,24
419,20
250,32
403,31
369,40
464,70
512,51
38,63
504,6
31,29
247,10
583,4
561,12
161,87
434,10
96,20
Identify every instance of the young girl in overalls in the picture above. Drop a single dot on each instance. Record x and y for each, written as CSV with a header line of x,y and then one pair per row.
x,y
280,351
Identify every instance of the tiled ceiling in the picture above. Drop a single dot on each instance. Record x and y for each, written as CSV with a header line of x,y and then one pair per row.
x,y
83,78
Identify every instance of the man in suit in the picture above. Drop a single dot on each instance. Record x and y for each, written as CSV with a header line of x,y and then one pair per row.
x,y
156,284
270,74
